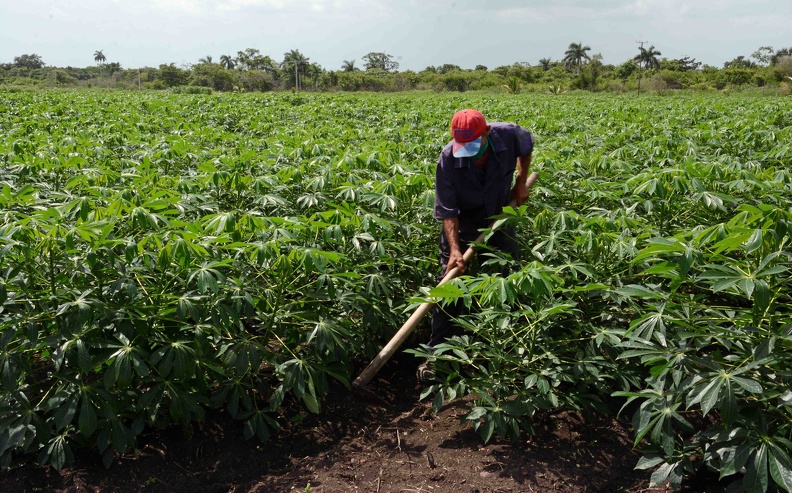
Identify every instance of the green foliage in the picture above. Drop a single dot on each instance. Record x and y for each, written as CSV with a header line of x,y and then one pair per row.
x,y
191,90
172,75
253,71
723,350
626,69
212,76
735,76
30,62
193,261
574,56
685,64
784,65
648,58
659,275
589,77
251,59
380,60
513,85
164,255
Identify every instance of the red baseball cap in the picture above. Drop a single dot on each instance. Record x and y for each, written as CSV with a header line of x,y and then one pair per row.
x,y
467,127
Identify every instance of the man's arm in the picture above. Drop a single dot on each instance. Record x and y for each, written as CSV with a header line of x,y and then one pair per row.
x,y
520,192
451,230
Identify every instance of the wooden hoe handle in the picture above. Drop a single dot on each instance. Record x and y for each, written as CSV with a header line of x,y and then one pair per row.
x,y
385,354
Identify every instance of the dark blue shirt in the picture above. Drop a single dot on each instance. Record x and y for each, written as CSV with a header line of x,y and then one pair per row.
x,y
471,193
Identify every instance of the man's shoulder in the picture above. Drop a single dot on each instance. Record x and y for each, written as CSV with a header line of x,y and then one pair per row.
x,y
446,156
504,126
508,134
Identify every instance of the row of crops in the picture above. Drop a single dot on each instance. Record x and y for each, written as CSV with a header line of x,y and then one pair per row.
x,y
166,255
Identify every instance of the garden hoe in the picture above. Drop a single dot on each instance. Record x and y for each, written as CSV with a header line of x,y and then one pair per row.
x,y
360,383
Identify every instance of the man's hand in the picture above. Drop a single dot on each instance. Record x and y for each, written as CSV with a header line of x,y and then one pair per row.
x,y
455,259
520,192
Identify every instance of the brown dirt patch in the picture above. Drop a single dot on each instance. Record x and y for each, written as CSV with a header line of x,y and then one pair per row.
x,y
355,447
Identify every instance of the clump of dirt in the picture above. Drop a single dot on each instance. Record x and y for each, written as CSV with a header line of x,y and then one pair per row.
x,y
355,447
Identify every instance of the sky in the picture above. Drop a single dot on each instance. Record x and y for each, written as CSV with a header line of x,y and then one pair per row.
x,y
416,33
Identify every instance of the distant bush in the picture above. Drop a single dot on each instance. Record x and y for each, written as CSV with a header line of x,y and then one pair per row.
x,y
62,77
702,86
656,83
213,76
594,76
255,81
363,81
487,80
785,65
676,79
156,85
8,88
191,90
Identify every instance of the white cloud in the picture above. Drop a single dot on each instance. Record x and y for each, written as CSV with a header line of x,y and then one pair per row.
x,y
642,7
201,7
209,6
236,5
761,21
546,13
180,6
674,10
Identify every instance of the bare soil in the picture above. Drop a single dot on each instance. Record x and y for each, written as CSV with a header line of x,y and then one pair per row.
x,y
353,446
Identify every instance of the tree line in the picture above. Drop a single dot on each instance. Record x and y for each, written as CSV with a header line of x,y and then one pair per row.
x,y
251,70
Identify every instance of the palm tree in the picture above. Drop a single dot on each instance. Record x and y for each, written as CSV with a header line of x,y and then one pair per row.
x,y
513,85
99,58
349,66
546,63
207,60
294,62
648,58
315,71
575,55
227,61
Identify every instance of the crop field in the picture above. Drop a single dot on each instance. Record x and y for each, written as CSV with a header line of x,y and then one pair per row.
x,y
163,255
